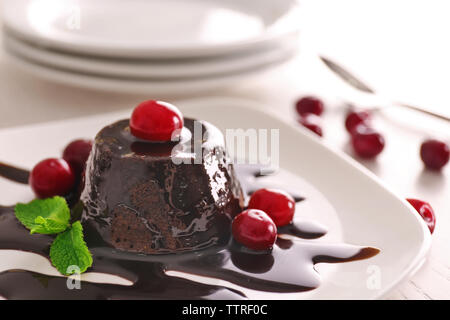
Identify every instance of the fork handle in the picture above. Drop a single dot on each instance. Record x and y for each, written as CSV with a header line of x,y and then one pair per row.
x,y
430,113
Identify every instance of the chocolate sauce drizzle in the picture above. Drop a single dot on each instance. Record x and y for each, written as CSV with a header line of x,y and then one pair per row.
x,y
13,173
288,267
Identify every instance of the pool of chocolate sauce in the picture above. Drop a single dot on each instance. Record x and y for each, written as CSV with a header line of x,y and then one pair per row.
x,y
287,268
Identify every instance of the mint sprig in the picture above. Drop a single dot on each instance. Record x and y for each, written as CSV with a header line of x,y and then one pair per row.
x,y
44,216
69,249
68,252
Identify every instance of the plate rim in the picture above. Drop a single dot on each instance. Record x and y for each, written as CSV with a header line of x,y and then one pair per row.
x,y
158,87
146,69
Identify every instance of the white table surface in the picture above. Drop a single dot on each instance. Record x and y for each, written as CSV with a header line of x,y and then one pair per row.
x,y
25,99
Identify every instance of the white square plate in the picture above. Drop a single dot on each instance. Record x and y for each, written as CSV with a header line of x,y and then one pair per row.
x,y
364,211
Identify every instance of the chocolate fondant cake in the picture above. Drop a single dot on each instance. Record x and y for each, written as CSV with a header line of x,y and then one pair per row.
x,y
160,197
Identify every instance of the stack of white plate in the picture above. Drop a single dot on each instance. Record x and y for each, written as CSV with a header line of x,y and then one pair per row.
x,y
150,46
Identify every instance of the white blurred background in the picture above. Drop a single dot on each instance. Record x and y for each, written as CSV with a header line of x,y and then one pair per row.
x,y
402,47
399,47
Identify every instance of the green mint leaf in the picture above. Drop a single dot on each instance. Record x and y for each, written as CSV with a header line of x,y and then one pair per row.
x,y
69,253
45,216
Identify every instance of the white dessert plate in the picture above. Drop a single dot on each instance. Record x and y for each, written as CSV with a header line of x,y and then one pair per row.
x,y
152,86
132,68
152,28
355,206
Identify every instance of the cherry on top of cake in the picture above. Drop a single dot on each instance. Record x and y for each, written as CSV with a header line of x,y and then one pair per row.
x,y
158,129
156,121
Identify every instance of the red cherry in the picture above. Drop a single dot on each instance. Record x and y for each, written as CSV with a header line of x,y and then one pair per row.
x,y
312,122
156,121
426,212
76,154
366,142
356,118
279,205
52,177
434,153
308,105
254,229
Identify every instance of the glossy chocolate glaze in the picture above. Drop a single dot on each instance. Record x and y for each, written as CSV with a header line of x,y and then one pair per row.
x,y
287,268
161,197
14,173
